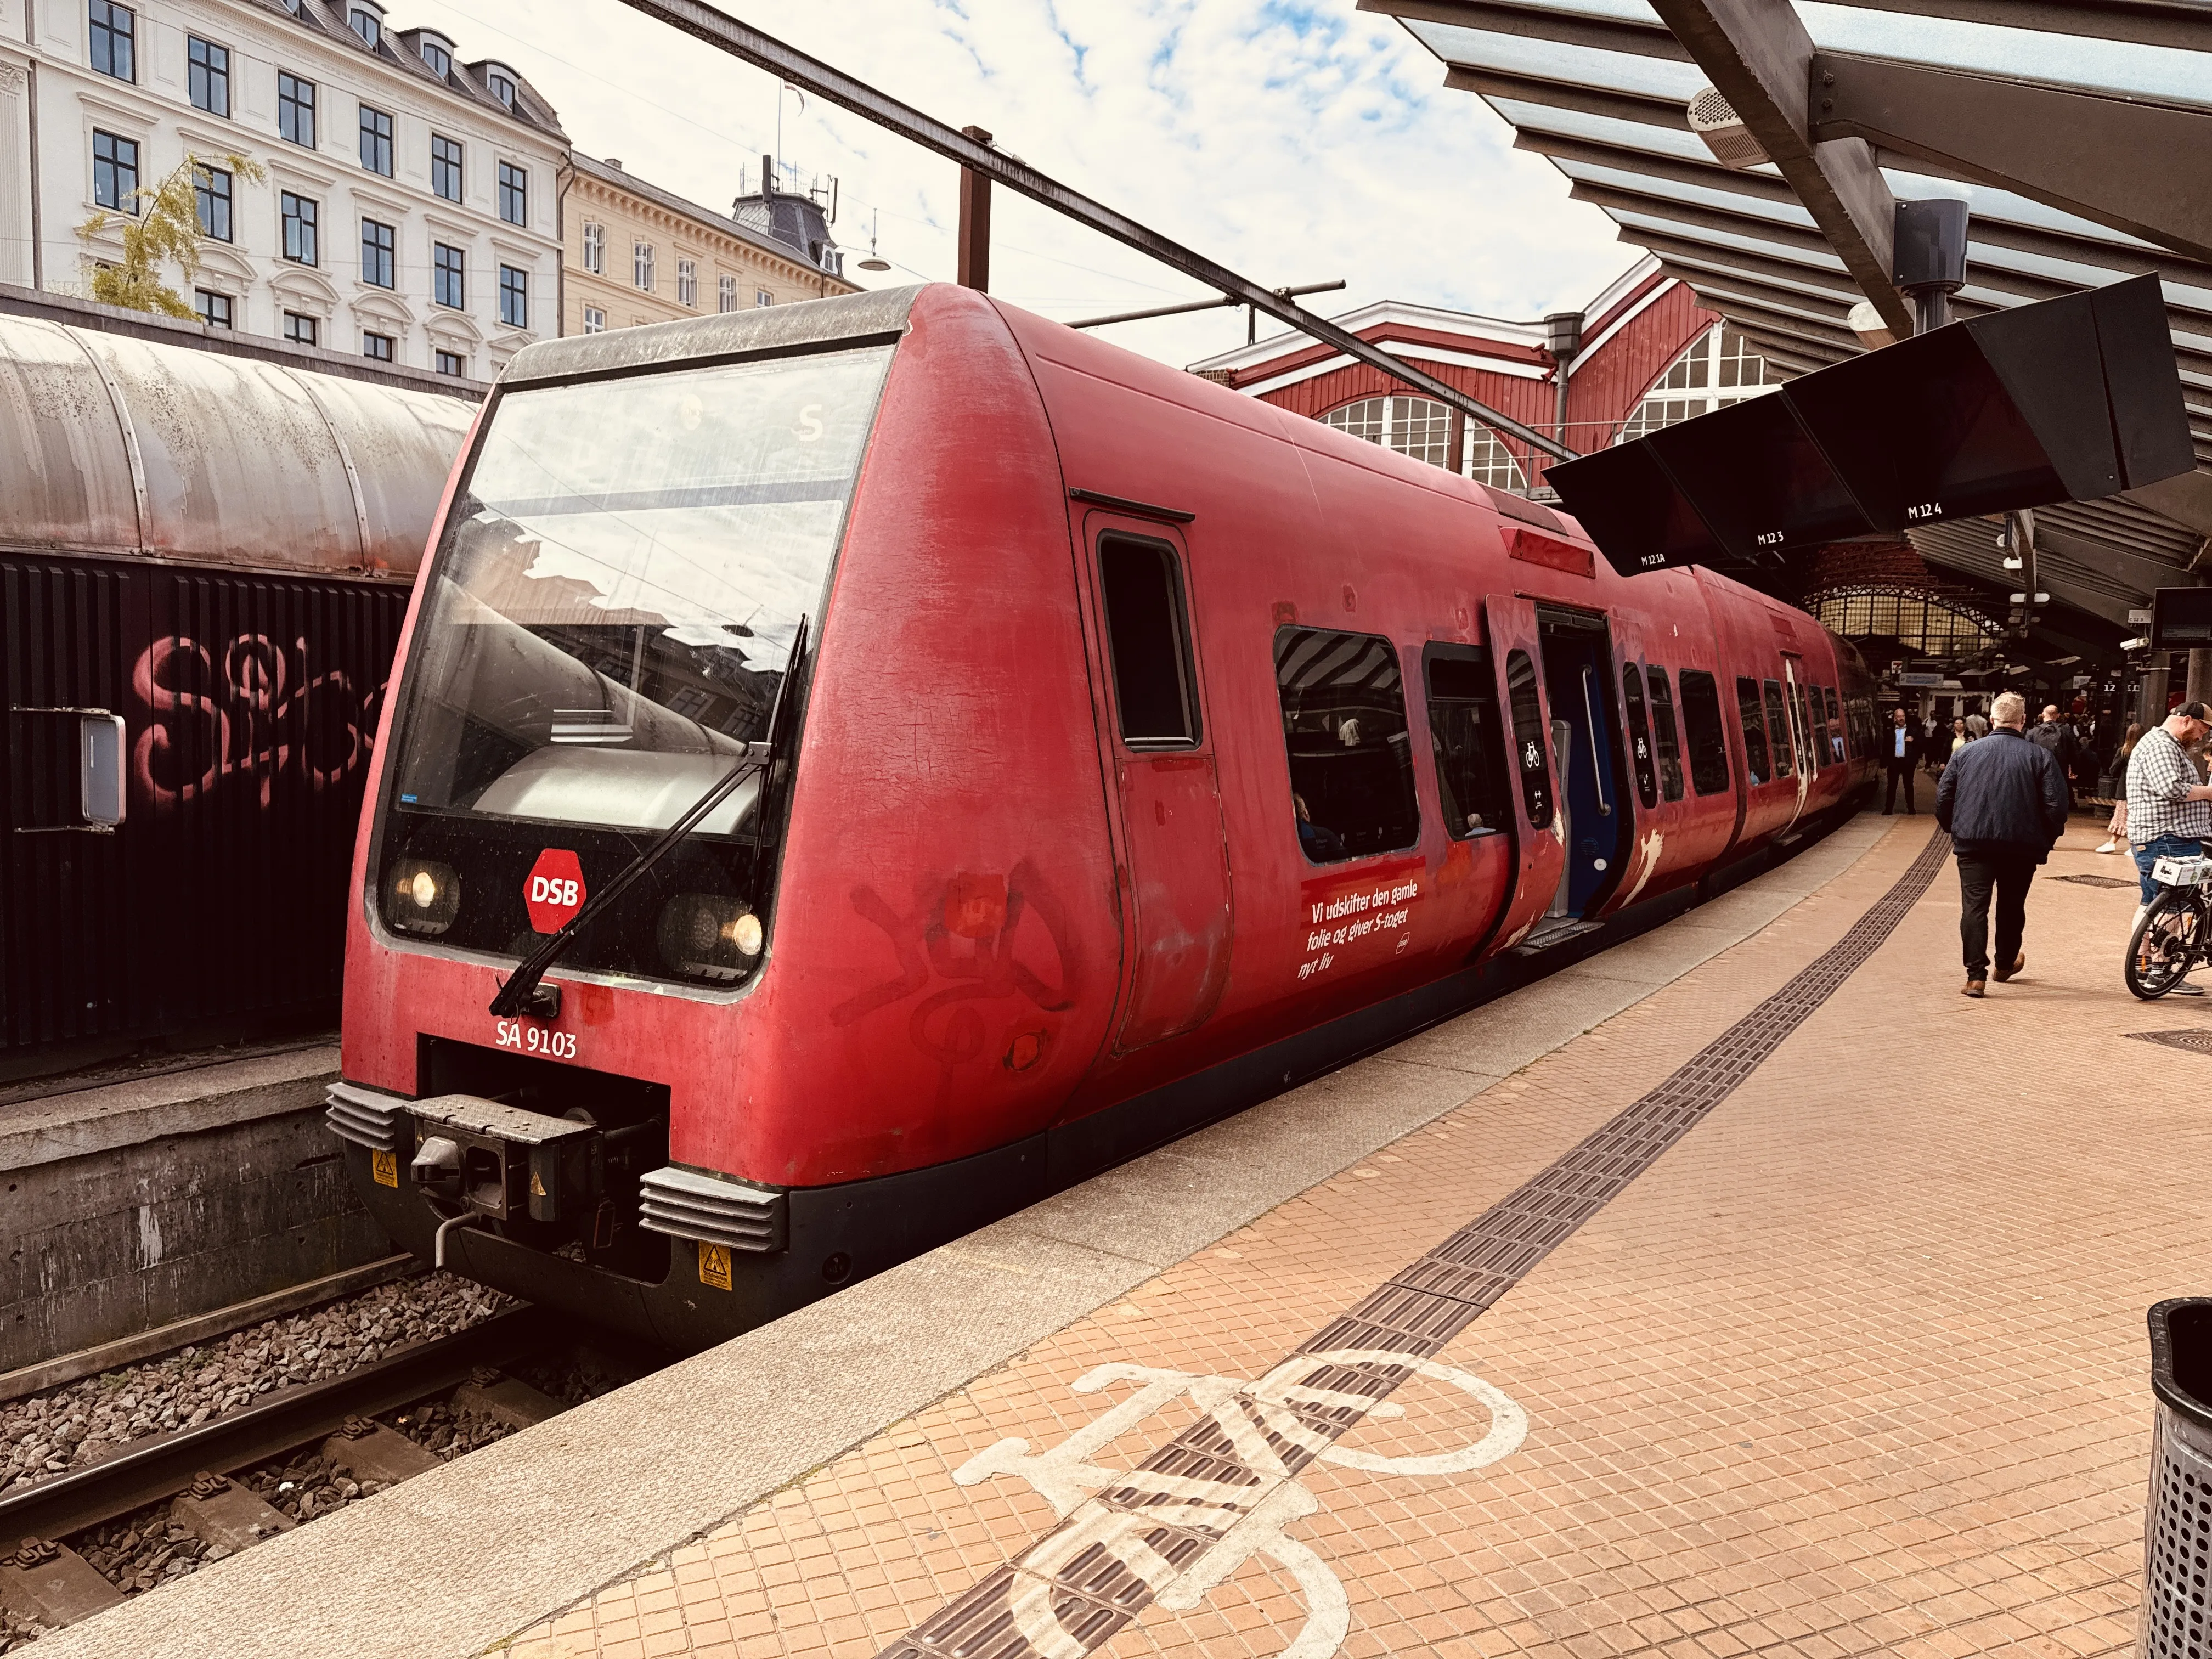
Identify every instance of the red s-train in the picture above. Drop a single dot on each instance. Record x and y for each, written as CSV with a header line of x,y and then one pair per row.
x,y
1143,748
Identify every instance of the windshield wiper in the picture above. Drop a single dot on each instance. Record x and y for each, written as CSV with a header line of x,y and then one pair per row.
x,y
525,993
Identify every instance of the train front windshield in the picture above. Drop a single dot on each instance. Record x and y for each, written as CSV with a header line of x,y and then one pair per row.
x,y
609,618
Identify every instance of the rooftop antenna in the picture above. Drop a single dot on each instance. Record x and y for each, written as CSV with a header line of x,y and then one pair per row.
x,y
875,261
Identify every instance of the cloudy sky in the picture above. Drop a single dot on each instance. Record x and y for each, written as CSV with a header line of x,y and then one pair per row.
x,y
1294,142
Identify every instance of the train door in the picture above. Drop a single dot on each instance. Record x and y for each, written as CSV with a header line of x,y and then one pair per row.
x,y
1597,819
1801,733
1179,925
1539,844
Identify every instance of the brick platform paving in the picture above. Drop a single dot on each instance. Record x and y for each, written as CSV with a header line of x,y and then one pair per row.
x,y
1857,1367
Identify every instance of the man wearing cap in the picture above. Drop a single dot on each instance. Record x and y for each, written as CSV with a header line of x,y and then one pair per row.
x,y
2004,802
2169,807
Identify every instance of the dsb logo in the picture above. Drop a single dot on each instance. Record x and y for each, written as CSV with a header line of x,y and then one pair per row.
x,y
554,891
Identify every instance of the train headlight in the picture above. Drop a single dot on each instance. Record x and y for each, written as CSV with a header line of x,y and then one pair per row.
x,y
708,936
422,896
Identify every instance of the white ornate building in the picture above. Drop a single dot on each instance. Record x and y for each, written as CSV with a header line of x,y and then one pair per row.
x,y
410,207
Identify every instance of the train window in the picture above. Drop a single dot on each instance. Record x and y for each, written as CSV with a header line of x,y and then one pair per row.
x,y
1701,724
1530,741
1464,739
1779,738
1662,729
1838,728
1639,736
1351,758
1755,763
1809,730
1149,643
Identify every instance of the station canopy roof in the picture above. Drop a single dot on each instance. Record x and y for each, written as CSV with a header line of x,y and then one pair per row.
x,y
2080,133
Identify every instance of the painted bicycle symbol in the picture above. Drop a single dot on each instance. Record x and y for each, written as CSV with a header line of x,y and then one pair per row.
x,y
1243,1519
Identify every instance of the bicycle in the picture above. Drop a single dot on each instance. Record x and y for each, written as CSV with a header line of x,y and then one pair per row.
x,y
2175,933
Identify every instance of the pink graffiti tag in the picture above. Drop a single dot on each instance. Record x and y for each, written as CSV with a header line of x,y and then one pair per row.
x,y
250,711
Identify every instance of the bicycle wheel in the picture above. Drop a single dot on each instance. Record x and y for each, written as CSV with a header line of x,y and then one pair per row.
x,y
2165,945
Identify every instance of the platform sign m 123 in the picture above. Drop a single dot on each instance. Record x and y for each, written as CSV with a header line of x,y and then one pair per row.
x,y
553,891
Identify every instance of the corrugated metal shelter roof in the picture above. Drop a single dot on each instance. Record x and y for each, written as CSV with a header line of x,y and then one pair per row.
x,y
2079,133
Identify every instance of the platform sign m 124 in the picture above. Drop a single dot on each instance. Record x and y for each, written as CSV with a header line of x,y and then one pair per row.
x,y
553,891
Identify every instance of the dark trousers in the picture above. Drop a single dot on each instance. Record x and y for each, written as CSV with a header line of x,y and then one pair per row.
x,y
1898,769
2007,872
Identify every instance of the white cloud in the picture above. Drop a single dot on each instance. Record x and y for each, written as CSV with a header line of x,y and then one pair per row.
x,y
1292,141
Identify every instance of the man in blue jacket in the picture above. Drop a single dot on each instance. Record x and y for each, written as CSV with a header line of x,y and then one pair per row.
x,y
2004,802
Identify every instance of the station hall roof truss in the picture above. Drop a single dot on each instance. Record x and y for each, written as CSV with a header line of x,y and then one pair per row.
x,y
2080,135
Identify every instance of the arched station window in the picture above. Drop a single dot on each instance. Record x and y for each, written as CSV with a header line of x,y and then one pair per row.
x,y
1716,369
1421,428
1925,626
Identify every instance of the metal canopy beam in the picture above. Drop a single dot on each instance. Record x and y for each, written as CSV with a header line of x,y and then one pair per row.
x,y
1759,58
1539,23
1638,107
2184,24
724,33
2137,168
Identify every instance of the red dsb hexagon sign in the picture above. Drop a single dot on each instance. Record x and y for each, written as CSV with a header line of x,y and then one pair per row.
x,y
553,891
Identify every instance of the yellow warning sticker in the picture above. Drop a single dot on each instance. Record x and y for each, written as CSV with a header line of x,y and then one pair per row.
x,y
537,1184
715,1265
384,1166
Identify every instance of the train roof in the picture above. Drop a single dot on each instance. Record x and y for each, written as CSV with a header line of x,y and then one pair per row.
x,y
853,317
128,447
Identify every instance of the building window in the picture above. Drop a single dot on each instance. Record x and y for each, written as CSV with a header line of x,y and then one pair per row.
x,y
367,25
595,320
1717,369
114,39
209,74
640,262
687,283
211,195
514,297
445,166
1418,426
1490,462
299,215
595,247
437,56
450,286
501,85
377,247
728,294
295,109
378,346
763,297
1923,626
300,329
513,194
376,141
1344,727
115,172
213,308
451,362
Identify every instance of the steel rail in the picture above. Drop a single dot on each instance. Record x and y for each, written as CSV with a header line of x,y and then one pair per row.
x,y
722,31
146,1471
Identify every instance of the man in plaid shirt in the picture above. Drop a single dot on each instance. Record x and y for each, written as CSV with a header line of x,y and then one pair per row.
x,y
2169,807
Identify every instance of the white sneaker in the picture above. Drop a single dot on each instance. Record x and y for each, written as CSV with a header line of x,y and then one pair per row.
x,y
2136,921
2109,847
2185,989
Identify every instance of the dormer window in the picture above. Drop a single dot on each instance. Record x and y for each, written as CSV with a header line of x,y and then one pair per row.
x,y
438,55
368,25
499,80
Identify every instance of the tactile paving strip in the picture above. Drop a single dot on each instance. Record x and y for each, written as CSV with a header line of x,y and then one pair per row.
x,y
2196,1039
1075,1589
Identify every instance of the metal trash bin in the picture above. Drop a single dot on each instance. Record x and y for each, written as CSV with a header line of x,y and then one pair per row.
x,y
2177,1599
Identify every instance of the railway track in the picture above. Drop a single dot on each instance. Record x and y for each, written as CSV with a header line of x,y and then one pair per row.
x,y
44,1580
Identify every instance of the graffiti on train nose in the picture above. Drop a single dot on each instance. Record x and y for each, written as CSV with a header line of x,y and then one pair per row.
x,y
249,711
968,939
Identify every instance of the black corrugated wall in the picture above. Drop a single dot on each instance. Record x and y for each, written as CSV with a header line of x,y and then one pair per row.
x,y
217,912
